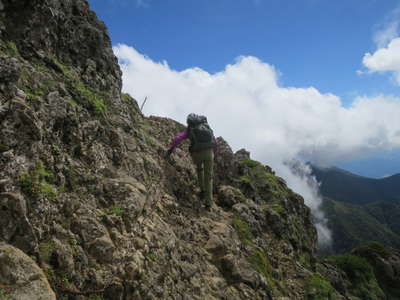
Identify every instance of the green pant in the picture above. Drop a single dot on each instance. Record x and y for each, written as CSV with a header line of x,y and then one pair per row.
x,y
204,161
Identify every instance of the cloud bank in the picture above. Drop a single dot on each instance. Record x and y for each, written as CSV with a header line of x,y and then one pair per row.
x,y
246,105
387,56
385,59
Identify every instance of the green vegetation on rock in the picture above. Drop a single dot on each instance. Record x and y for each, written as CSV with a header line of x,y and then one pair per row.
x,y
38,183
251,163
354,225
9,48
116,210
373,249
318,288
262,265
4,295
4,148
257,256
361,275
46,249
83,95
244,231
357,268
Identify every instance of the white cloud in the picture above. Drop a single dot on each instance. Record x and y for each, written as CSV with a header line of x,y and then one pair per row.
x,y
383,36
385,59
387,56
388,29
246,105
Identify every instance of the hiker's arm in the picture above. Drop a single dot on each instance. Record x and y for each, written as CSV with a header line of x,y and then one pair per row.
x,y
178,139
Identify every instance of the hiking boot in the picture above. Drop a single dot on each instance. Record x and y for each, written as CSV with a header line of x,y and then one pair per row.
x,y
208,205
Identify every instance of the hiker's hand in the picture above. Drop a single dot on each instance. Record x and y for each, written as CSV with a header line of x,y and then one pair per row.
x,y
168,153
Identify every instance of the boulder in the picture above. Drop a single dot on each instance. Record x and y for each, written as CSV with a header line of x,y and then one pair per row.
x,y
20,276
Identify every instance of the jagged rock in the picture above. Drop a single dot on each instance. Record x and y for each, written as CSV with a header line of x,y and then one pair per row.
x,y
67,30
242,154
274,221
14,224
229,196
21,278
239,271
102,249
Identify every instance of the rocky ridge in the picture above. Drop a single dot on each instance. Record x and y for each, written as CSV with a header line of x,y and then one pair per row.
x,y
89,207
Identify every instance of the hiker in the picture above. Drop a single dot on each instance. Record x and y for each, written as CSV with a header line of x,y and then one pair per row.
x,y
202,147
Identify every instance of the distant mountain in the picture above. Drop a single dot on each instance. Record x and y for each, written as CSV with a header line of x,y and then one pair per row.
x,y
360,209
354,224
344,186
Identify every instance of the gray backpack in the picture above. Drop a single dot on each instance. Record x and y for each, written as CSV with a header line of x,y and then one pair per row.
x,y
200,134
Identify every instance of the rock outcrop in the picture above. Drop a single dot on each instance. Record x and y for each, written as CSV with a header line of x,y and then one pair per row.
x,y
21,277
85,190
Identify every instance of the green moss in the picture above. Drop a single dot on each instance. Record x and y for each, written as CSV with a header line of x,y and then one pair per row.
x,y
55,149
152,256
244,231
64,278
9,48
37,183
260,262
43,173
320,289
126,97
305,259
33,96
4,295
83,94
4,148
48,191
278,208
46,249
95,101
116,210
71,101
251,163
245,179
258,179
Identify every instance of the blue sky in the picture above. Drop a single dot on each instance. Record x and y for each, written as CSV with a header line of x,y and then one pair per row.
x,y
309,43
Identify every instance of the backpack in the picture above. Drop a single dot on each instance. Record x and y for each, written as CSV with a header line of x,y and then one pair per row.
x,y
200,134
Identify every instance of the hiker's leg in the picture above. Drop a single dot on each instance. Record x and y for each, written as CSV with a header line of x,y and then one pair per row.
x,y
198,161
208,158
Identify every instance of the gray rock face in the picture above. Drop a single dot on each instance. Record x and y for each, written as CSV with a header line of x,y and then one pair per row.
x,y
14,224
21,278
66,30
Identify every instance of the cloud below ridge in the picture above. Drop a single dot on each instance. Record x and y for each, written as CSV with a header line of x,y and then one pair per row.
x,y
246,105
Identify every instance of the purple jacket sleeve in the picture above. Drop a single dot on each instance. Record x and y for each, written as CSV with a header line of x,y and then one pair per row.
x,y
178,139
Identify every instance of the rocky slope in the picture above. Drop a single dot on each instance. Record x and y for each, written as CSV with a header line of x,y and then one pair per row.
x,y
90,209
